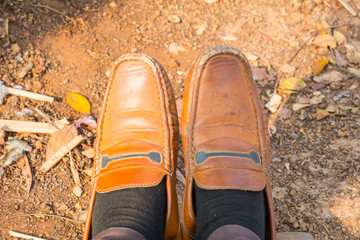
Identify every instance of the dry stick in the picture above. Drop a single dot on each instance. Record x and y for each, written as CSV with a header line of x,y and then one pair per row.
x,y
348,6
36,96
22,235
40,215
26,126
333,54
326,230
42,115
6,26
28,177
72,164
292,59
261,32
61,153
53,9
74,170
284,89
273,116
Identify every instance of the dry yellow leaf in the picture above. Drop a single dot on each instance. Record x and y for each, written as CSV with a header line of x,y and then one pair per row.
x,y
78,102
318,66
321,114
298,106
287,85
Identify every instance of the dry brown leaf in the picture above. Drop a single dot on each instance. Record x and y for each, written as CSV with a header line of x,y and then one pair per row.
x,y
339,59
318,66
286,68
284,113
305,100
259,74
24,165
329,77
325,41
60,138
331,108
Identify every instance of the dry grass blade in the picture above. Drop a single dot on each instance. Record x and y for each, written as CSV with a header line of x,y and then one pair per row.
x,y
40,215
23,235
54,10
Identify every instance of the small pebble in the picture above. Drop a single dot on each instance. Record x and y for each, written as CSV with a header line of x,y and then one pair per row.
x,y
292,193
77,191
174,19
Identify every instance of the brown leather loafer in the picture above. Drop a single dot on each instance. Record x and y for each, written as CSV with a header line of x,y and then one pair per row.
x,y
224,134
137,135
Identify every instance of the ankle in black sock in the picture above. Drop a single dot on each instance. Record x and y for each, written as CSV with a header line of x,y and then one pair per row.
x,y
141,209
217,208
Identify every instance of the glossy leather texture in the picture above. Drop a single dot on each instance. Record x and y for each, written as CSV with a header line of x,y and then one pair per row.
x,y
137,135
224,134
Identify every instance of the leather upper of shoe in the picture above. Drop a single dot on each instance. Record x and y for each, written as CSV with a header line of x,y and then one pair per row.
x,y
225,138
137,135
225,123
134,141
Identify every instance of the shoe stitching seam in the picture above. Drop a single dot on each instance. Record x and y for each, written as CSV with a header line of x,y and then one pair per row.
x,y
132,185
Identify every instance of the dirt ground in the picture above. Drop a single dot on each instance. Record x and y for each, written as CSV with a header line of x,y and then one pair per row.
x,y
72,45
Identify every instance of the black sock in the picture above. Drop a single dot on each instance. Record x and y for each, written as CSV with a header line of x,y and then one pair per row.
x,y
141,209
217,208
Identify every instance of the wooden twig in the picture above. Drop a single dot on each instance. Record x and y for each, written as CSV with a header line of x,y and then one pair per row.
x,y
348,7
6,28
326,230
26,126
74,170
32,95
284,89
292,59
39,215
61,153
53,9
28,175
261,32
333,53
25,236
42,115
